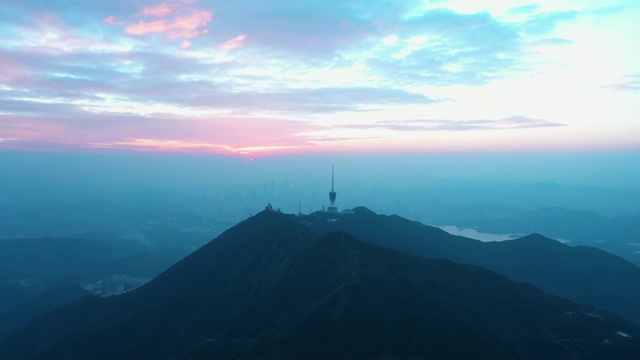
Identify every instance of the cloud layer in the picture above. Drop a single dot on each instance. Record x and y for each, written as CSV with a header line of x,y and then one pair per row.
x,y
236,77
514,122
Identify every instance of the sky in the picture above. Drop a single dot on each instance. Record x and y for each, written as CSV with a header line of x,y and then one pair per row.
x,y
257,77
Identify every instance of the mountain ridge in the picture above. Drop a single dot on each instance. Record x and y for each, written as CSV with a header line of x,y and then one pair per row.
x,y
274,287
583,274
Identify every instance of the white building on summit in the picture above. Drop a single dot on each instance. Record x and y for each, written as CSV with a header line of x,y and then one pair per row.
x,y
332,195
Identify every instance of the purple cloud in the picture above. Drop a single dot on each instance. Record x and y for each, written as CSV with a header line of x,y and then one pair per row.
x,y
631,83
513,122
225,135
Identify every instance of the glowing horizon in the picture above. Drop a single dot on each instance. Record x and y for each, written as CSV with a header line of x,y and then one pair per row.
x,y
252,78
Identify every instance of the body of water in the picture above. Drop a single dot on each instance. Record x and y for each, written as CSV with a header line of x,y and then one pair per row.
x,y
475,234
486,237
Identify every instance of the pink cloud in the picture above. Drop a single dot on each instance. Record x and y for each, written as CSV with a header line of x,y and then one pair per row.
x,y
199,135
160,11
236,42
179,27
174,20
111,20
157,145
13,71
148,27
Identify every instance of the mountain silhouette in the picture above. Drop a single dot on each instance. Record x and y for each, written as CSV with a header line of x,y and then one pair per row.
x,y
275,287
582,274
37,306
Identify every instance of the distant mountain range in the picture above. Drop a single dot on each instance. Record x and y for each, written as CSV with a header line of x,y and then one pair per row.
x,y
580,273
281,286
618,235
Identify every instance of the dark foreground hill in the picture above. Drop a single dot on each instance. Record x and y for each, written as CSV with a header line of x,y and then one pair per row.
x,y
273,288
582,274
37,306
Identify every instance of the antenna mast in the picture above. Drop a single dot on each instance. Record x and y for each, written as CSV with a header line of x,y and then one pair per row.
x,y
331,177
332,195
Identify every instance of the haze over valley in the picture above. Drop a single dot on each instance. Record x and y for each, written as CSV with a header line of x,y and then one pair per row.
x,y
180,202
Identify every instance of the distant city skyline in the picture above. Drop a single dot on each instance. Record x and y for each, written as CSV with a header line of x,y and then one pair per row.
x,y
257,78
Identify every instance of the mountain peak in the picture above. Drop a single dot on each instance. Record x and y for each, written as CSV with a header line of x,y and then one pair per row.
x,y
363,210
537,241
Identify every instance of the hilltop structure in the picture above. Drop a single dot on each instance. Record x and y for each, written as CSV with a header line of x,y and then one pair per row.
x,y
332,195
